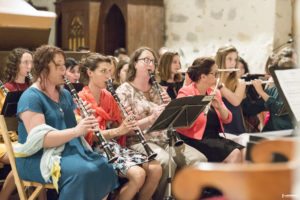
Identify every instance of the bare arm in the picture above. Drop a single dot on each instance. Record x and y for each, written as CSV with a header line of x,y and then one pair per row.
x,y
59,137
236,97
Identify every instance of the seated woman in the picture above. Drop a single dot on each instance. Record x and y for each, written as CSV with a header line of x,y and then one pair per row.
x,y
53,149
168,67
204,133
270,99
18,65
72,70
143,175
139,94
232,88
120,73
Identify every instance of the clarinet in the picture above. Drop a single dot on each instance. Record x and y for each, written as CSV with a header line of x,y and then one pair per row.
x,y
151,155
177,140
110,156
30,77
206,109
3,88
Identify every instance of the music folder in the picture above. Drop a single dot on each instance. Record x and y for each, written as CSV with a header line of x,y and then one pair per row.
x,y
10,105
181,112
287,82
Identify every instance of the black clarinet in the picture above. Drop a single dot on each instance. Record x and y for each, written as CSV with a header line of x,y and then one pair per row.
x,y
30,77
177,140
110,156
4,90
151,155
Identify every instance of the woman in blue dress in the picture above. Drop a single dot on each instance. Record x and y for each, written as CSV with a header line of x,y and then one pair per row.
x,y
46,112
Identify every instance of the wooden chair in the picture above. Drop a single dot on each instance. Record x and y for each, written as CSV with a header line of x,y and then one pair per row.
x,y
11,124
258,181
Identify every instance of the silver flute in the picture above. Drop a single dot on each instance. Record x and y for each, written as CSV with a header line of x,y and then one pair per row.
x,y
4,90
263,82
228,70
206,109
151,155
110,155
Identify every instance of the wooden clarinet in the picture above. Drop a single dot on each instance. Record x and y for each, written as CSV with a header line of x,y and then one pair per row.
x,y
177,140
4,90
110,156
151,155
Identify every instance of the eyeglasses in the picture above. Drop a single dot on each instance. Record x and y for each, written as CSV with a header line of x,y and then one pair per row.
x,y
214,73
59,65
148,61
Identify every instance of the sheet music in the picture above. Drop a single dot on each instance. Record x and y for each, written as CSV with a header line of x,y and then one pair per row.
x,y
289,81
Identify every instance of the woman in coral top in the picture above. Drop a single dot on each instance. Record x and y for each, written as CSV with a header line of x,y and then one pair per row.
x,y
143,175
204,133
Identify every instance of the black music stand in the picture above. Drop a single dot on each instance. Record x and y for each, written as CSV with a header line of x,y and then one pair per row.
x,y
179,113
10,105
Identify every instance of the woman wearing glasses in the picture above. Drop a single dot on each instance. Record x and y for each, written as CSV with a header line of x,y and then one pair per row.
x,y
232,88
139,94
204,133
168,67
143,175
18,65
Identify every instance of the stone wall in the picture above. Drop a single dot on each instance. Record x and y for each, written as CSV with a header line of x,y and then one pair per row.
x,y
199,27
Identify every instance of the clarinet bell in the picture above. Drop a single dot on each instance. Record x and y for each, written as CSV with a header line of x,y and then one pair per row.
x,y
177,140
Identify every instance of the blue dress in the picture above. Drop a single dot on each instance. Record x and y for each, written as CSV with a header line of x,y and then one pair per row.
x,y
84,174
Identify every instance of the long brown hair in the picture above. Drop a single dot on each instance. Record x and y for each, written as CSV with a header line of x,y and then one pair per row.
x,y
12,64
164,67
232,80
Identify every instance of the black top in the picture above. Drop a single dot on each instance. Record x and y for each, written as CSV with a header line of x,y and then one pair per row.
x,y
173,88
213,127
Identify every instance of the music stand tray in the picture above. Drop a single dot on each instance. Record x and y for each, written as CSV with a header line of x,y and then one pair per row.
x,y
181,112
11,103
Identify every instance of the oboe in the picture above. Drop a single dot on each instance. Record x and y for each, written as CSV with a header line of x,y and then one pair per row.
x,y
110,156
209,104
177,140
151,155
3,88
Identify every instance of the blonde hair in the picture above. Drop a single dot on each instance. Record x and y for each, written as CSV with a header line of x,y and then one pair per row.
x,y
232,80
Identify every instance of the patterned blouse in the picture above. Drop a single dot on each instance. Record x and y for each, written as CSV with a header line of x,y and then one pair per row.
x,y
135,99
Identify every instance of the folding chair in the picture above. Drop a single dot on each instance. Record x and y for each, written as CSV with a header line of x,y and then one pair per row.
x,y
259,181
11,124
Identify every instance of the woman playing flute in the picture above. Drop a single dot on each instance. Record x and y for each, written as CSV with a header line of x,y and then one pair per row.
x,y
204,133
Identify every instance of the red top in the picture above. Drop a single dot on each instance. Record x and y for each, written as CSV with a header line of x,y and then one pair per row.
x,y
12,86
108,109
197,129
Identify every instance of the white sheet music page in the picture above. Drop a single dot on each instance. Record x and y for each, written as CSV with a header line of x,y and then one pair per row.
x,y
289,81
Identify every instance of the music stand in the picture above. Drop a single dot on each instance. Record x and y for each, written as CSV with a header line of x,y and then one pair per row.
x,y
288,84
179,113
10,105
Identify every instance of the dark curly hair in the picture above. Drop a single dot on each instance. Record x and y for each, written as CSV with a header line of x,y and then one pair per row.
x,y
12,64
41,59
91,62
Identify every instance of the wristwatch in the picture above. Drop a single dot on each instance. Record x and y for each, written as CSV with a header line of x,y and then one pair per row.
x,y
221,86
